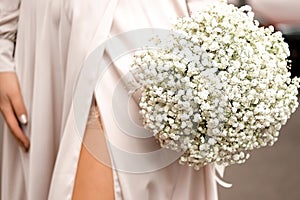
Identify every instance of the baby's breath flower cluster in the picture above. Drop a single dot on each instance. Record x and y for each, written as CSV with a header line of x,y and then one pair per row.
x,y
218,88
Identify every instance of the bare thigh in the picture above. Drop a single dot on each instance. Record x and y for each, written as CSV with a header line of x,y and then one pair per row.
x,y
94,179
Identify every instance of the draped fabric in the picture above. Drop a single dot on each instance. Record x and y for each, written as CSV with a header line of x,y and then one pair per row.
x,y
54,37
277,11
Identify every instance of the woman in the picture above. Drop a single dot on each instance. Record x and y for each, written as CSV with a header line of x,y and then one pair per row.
x,y
43,157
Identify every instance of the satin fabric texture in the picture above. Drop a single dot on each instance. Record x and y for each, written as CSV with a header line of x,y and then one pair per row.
x,y
46,43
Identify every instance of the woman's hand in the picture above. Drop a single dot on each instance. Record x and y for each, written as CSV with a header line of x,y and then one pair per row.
x,y
12,106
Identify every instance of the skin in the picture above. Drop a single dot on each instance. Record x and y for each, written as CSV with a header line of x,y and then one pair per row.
x,y
12,107
94,178
88,185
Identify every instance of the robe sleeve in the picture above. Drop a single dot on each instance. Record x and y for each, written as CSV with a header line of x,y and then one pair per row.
x,y
9,14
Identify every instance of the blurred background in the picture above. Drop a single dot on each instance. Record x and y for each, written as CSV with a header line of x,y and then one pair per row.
x,y
271,173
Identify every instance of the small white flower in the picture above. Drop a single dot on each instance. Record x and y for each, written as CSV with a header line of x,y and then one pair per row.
x,y
219,86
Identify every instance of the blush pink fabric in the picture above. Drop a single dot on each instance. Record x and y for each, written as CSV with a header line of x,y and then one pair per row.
x,y
53,40
277,11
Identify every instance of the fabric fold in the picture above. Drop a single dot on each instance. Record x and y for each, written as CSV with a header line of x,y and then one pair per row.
x,y
9,14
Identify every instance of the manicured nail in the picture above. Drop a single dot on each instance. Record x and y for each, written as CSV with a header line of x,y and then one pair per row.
x,y
23,119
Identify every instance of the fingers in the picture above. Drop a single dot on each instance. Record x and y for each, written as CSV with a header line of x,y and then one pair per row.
x,y
12,106
14,127
19,108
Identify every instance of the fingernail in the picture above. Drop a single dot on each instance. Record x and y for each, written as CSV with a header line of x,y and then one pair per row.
x,y
23,119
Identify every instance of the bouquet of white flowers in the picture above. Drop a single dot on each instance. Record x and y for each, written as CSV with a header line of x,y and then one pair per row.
x,y
218,88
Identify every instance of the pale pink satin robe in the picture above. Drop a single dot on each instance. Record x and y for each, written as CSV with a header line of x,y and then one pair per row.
x,y
277,11
54,38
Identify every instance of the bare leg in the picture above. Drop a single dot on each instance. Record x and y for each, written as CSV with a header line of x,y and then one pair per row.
x,y
94,178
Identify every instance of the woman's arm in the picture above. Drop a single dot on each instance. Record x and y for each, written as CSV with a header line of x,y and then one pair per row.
x,y
11,102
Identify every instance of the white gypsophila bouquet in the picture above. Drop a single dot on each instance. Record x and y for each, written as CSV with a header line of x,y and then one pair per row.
x,y
217,88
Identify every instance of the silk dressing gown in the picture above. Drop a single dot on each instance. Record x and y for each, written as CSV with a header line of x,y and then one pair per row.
x,y
46,43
